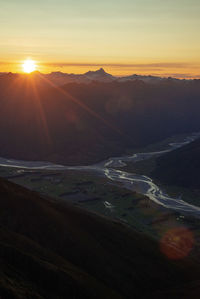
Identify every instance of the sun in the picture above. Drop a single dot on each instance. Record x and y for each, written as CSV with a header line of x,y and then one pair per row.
x,y
29,66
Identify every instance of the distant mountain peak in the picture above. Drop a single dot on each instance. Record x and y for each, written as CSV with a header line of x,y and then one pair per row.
x,y
100,73
101,70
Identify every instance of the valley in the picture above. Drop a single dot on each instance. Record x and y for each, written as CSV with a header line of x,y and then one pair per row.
x,y
99,149
108,189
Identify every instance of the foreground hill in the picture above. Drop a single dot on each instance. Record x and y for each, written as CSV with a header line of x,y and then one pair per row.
x,y
86,123
180,167
54,250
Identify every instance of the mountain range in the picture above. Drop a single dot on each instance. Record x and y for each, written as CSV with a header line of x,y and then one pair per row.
x,y
60,78
80,123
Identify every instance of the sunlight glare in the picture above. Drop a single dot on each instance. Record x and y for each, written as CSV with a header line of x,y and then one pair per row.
x,y
29,66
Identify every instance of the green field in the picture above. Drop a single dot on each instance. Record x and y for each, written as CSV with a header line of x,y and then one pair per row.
x,y
93,193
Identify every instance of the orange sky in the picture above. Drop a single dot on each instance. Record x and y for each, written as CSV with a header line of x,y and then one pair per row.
x,y
123,36
178,70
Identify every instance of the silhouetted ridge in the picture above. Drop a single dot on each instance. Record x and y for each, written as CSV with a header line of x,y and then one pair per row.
x,y
81,123
56,250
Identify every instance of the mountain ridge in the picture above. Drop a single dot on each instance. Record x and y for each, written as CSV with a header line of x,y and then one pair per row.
x,y
81,124
52,250
61,78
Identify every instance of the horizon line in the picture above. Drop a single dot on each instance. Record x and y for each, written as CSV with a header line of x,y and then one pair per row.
x,y
180,76
180,70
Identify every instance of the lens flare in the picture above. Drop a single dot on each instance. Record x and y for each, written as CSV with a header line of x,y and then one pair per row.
x,y
177,243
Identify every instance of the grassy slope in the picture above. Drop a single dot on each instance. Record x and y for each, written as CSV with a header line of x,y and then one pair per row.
x,y
51,250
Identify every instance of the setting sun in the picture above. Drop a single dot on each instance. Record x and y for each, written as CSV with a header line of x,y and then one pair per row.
x,y
29,66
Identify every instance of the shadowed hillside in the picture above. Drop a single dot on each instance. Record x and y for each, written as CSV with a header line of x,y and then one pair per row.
x,y
180,167
86,123
54,250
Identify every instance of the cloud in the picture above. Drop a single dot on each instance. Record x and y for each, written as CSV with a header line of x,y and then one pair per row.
x,y
160,65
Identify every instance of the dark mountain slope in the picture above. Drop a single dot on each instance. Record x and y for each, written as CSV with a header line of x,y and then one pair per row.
x,y
180,167
54,250
86,123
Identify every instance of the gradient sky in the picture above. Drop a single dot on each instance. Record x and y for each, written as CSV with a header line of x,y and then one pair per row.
x,y
123,36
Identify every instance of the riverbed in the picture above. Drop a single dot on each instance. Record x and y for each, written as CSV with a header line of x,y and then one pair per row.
x,y
135,182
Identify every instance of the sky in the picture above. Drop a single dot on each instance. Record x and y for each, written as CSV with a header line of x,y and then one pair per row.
x,y
156,37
